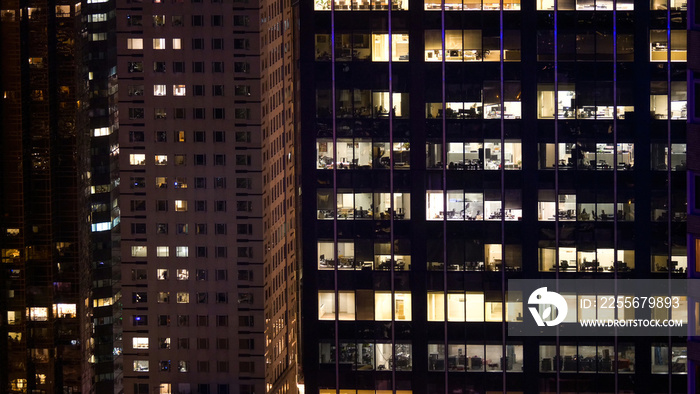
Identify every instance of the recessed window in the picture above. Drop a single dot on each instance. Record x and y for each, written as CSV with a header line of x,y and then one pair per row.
x,y
159,90
177,43
137,159
158,20
162,251
141,366
159,43
139,343
179,90
180,205
217,90
134,43
182,251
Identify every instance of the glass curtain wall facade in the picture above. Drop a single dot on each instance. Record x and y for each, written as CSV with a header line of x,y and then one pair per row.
x,y
40,350
453,145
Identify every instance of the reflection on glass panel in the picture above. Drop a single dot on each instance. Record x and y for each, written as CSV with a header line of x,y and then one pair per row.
x,y
548,356
472,43
436,357
365,356
324,204
323,46
659,157
475,358
453,45
433,44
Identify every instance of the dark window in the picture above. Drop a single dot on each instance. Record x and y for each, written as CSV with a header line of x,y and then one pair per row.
x,y
201,275
178,67
217,67
217,43
201,229
180,113
246,321
241,43
217,90
243,136
219,136
219,182
198,90
199,136
221,275
219,160
141,320
221,298
159,67
222,343
217,20
200,183
163,320
220,206
183,343
161,228
219,113
200,160
202,321
220,228
241,20
221,252
197,20
183,320
244,206
202,298
197,67
222,321
241,67
161,136
138,136
197,43
162,205
138,205
202,250
200,205
198,113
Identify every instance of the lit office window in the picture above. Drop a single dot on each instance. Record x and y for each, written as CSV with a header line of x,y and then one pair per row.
x,y
381,49
162,251
567,259
566,99
181,251
183,298
159,90
658,45
38,314
662,5
547,206
326,305
139,251
137,159
180,205
65,311
139,343
383,305
134,43
161,160
179,90
159,43
177,43
140,366
677,264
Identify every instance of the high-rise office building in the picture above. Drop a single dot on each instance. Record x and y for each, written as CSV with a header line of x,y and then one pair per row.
x,y
205,158
693,190
452,145
40,216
